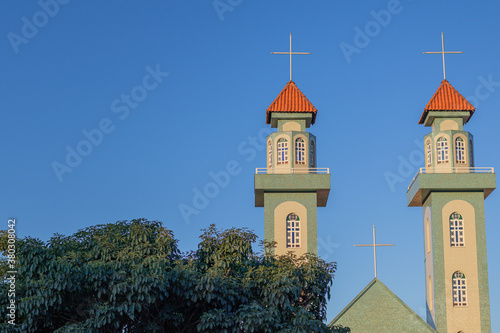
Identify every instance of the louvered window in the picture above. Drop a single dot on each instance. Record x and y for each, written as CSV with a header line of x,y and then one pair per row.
x,y
459,287
282,151
292,230
300,151
457,230
460,150
442,150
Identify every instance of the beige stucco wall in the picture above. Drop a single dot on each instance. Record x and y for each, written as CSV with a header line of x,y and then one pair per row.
x,y
291,126
280,214
449,125
462,259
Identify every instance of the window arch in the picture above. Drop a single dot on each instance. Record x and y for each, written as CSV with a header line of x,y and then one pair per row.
x,y
442,150
459,286
428,148
282,151
457,230
471,153
312,162
459,150
292,230
300,151
270,153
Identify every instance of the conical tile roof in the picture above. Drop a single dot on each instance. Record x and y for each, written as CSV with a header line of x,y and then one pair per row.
x,y
291,99
447,98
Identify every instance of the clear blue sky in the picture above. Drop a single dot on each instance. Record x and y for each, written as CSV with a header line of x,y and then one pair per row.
x,y
74,71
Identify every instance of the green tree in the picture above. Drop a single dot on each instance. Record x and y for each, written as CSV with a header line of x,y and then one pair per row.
x,y
129,276
3,253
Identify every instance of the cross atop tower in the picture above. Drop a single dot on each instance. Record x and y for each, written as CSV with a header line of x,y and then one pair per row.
x,y
290,53
374,249
443,52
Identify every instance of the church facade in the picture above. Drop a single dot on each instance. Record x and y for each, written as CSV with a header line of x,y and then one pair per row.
x,y
450,189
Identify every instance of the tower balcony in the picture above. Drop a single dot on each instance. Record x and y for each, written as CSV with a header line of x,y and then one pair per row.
x,y
295,180
451,179
287,170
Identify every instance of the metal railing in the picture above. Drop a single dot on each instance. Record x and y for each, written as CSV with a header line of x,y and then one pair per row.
x,y
286,170
452,170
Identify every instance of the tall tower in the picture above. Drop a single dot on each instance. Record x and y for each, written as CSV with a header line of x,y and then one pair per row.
x,y
451,192
291,187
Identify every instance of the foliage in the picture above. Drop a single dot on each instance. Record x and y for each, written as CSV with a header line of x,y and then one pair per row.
x,y
131,277
3,253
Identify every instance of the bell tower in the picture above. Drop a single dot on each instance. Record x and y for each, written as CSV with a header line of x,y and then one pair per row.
x,y
451,191
291,187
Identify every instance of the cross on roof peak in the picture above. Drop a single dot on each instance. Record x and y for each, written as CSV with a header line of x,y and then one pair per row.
x,y
290,53
374,250
443,52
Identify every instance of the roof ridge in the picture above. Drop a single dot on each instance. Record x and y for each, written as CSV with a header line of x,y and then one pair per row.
x,y
390,293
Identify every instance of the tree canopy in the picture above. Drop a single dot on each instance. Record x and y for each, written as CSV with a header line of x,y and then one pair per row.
x,y
130,276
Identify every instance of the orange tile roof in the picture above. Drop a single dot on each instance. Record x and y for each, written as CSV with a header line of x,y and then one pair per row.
x,y
447,98
291,99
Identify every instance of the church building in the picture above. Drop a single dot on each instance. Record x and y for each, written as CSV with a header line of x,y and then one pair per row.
x,y
450,189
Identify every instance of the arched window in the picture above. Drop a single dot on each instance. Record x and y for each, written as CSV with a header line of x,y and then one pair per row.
x,y
442,150
471,154
292,230
428,152
300,151
311,155
459,287
282,151
270,153
456,230
460,150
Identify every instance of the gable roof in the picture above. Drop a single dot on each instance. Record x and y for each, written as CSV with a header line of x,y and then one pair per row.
x,y
447,98
291,99
377,309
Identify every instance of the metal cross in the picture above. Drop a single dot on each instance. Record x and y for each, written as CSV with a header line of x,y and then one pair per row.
x,y
443,53
374,249
290,53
